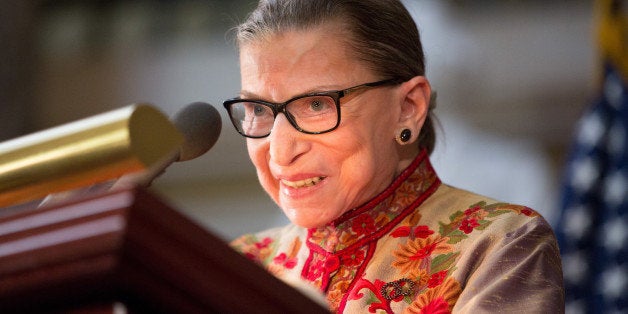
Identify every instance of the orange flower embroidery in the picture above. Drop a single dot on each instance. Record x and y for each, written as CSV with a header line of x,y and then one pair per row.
x,y
440,299
333,299
422,277
414,256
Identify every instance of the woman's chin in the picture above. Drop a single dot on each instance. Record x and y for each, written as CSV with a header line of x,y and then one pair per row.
x,y
307,218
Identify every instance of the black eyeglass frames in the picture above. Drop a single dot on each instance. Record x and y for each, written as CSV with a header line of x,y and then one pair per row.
x,y
313,113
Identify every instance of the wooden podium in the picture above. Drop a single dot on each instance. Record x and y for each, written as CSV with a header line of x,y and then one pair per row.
x,y
129,252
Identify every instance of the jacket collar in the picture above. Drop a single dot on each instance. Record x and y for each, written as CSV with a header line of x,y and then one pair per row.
x,y
376,217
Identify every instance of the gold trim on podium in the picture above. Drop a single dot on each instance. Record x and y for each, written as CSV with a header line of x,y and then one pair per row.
x,y
85,152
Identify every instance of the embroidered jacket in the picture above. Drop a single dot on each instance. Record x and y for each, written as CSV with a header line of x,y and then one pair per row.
x,y
422,247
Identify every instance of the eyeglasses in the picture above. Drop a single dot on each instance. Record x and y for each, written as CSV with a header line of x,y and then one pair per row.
x,y
313,113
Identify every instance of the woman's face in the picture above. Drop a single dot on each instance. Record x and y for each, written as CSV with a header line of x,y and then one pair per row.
x,y
351,164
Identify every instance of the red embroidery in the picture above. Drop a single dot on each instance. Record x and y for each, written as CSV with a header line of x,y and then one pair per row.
x,y
340,252
264,243
436,306
412,232
471,210
381,304
528,212
332,263
468,224
316,270
353,258
436,279
282,259
363,224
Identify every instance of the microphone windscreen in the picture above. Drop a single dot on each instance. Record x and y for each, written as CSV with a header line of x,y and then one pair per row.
x,y
200,124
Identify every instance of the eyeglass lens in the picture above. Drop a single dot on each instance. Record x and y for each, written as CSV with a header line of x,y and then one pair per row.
x,y
311,114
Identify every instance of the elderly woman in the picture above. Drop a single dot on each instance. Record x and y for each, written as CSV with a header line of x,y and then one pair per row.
x,y
336,109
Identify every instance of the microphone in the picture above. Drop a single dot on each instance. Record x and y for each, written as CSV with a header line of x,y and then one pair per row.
x,y
200,124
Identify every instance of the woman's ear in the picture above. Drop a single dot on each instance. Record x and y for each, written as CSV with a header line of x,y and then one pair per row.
x,y
415,100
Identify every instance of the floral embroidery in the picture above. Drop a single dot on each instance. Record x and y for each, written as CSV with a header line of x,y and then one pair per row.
x,y
430,259
316,270
436,279
334,298
349,237
477,217
377,300
414,256
440,299
435,306
422,278
415,184
363,224
472,210
289,260
340,284
254,249
282,259
423,255
322,268
468,224
471,218
264,252
529,212
332,263
353,258
412,232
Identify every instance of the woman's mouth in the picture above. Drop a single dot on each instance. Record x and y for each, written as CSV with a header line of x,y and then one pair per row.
x,y
303,183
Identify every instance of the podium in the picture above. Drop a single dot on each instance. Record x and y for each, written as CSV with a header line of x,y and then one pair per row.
x,y
129,252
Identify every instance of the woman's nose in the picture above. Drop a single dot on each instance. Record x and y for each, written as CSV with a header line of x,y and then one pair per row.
x,y
286,144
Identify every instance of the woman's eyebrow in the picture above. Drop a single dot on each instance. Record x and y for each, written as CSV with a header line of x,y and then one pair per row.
x,y
248,94
317,89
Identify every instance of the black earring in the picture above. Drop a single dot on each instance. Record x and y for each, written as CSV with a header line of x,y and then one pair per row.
x,y
404,136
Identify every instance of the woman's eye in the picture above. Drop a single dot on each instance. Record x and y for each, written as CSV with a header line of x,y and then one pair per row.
x,y
317,105
259,110
311,106
320,104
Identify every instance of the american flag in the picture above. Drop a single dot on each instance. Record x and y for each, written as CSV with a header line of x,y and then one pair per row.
x,y
593,227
